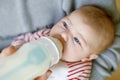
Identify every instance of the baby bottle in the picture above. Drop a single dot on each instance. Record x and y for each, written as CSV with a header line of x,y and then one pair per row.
x,y
31,60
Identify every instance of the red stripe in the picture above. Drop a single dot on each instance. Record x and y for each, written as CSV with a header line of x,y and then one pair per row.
x,y
34,37
74,79
77,72
72,65
79,67
86,72
42,33
19,38
28,37
38,34
47,33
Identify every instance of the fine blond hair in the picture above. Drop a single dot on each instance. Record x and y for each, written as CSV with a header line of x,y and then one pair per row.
x,y
102,23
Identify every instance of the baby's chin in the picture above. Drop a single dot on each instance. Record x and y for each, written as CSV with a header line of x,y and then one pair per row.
x,y
69,60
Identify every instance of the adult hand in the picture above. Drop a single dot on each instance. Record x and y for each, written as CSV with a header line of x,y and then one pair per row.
x,y
8,51
44,76
11,50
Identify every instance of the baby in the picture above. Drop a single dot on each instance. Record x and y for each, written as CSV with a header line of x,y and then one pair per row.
x,y
85,33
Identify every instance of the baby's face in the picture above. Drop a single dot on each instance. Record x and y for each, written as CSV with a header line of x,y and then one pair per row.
x,y
74,35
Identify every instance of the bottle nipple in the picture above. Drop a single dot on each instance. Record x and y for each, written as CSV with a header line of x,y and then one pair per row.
x,y
55,48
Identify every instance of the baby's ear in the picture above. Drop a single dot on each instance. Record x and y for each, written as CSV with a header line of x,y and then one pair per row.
x,y
93,56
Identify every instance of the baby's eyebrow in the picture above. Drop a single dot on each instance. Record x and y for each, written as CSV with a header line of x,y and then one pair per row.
x,y
68,21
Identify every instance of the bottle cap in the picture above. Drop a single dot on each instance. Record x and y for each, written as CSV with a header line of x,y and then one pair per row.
x,y
54,47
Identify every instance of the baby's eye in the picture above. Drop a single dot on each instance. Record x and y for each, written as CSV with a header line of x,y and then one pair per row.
x,y
77,40
65,25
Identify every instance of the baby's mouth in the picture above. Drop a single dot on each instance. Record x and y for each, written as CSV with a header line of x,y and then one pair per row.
x,y
60,39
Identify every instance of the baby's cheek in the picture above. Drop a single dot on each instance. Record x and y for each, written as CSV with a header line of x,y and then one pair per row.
x,y
69,58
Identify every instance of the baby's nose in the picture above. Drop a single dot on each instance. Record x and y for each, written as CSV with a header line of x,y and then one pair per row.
x,y
65,35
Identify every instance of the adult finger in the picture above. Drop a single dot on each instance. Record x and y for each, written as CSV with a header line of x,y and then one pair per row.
x,y
8,51
44,76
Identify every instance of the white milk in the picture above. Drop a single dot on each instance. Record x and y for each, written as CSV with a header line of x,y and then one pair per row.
x,y
31,60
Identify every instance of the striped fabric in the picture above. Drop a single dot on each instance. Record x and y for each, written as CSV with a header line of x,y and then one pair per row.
x,y
76,70
79,70
29,37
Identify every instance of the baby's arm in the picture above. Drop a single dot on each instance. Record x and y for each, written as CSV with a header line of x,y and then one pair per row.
x,y
20,40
